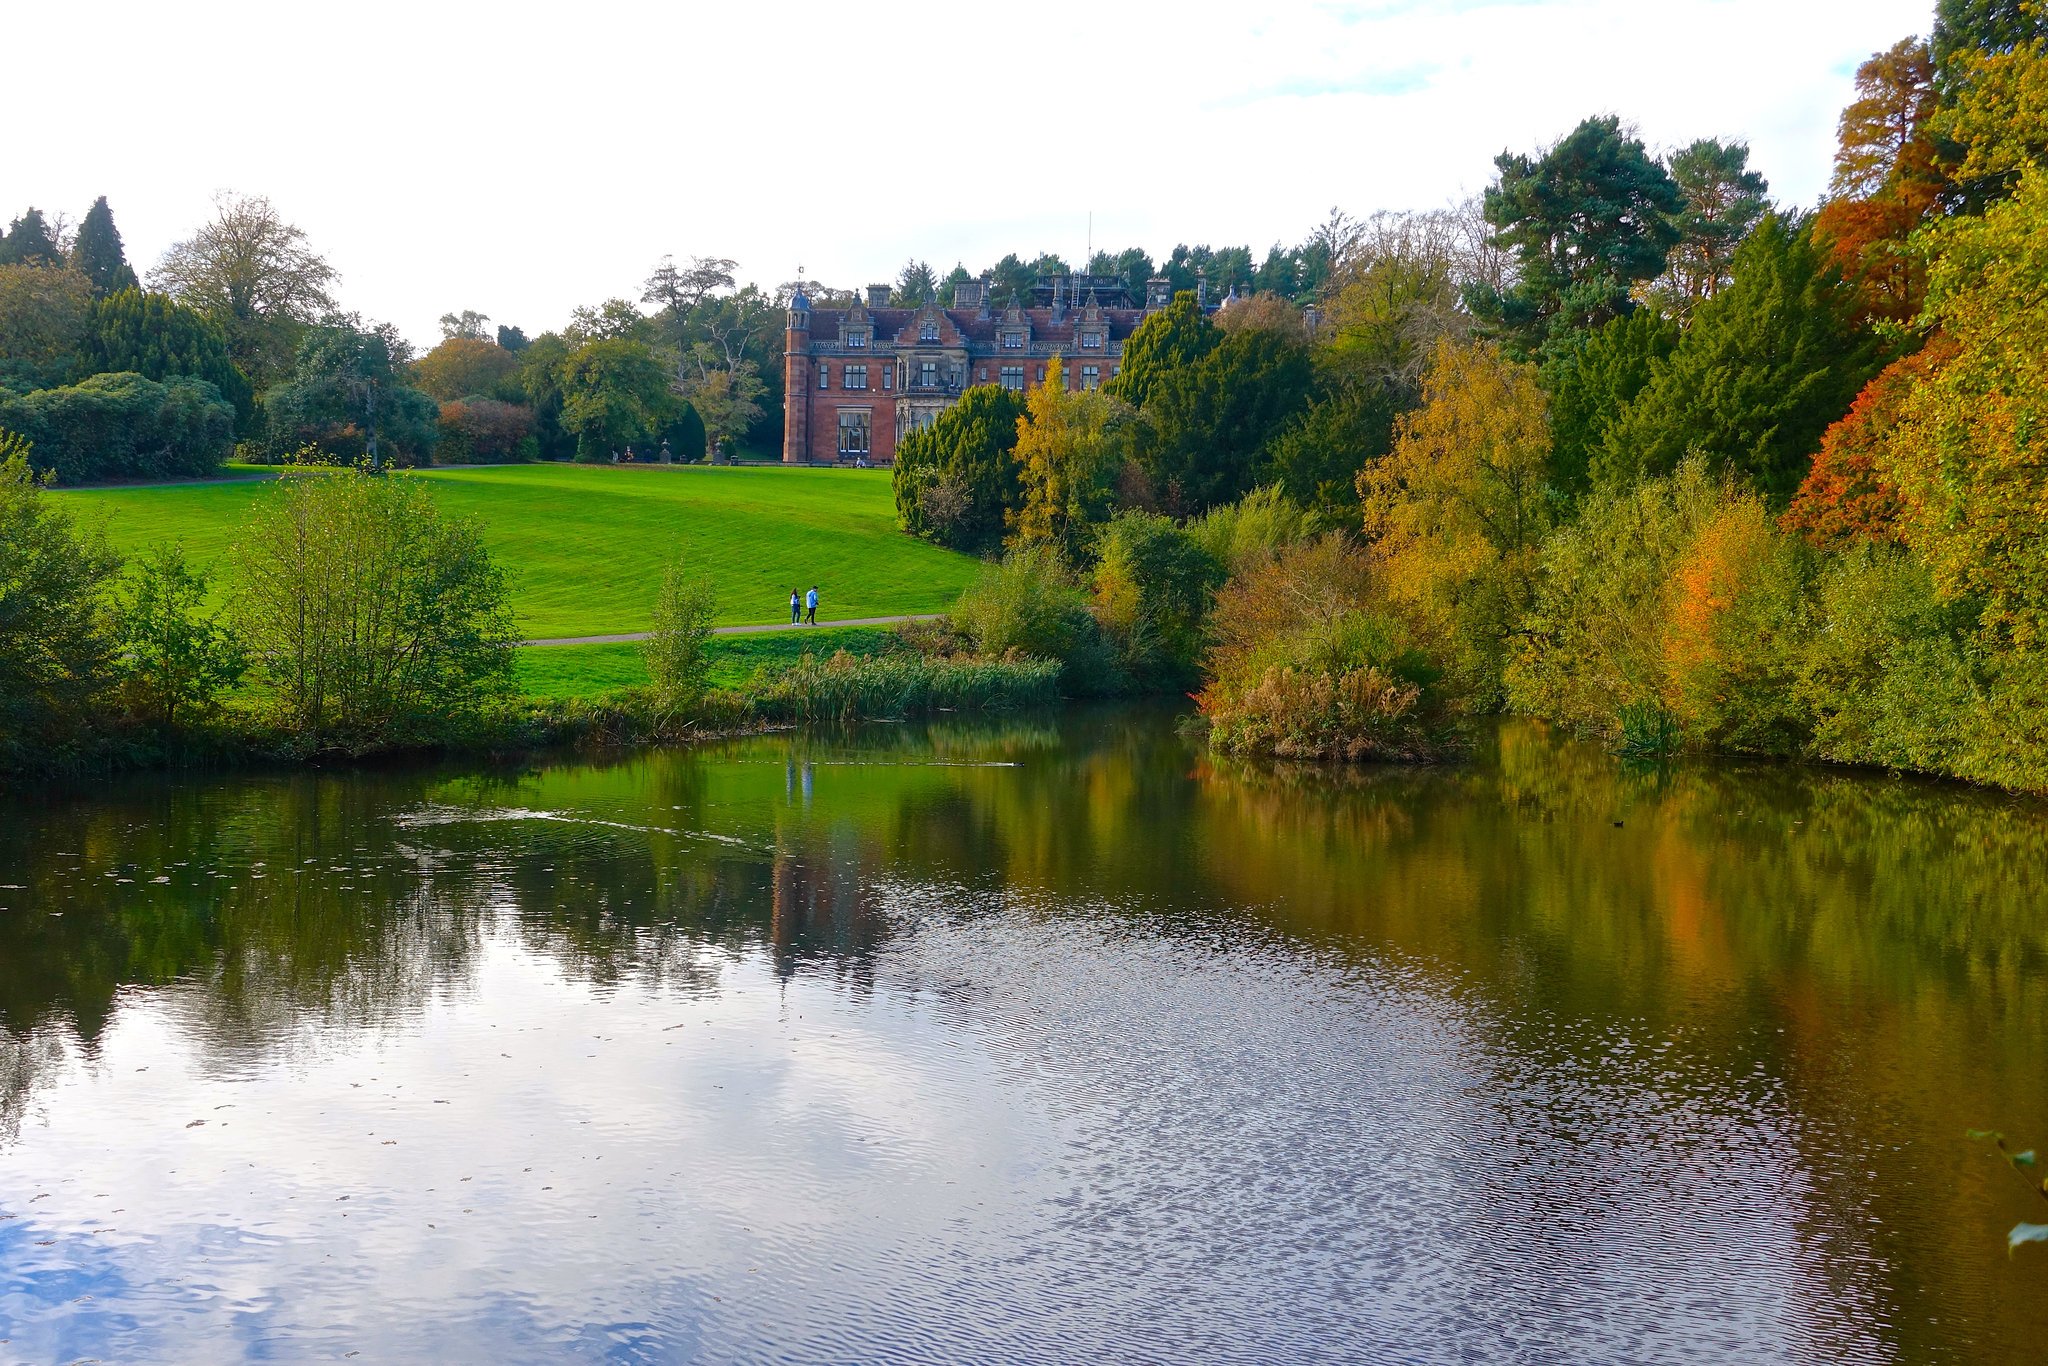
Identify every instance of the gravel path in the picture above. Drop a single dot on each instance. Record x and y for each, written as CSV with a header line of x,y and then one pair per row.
x,y
734,630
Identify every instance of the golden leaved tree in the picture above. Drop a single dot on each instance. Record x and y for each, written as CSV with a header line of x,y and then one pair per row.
x,y
1456,513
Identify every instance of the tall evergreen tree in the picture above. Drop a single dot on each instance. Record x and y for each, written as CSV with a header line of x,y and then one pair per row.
x,y
155,336
1588,219
1176,336
28,242
1208,425
958,481
1766,367
1723,201
1590,386
97,253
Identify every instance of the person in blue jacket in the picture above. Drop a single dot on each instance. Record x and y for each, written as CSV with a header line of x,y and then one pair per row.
x,y
811,605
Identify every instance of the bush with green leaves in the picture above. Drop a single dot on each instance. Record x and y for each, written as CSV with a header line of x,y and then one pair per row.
x,y
373,616
1245,534
1153,582
123,426
1030,604
176,658
57,642
676,651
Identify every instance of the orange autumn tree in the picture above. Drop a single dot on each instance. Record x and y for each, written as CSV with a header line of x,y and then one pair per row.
x,y
1888,179
1845,499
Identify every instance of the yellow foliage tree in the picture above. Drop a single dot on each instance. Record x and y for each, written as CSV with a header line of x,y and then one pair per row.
x,y
1069,447
1969,455
1456,513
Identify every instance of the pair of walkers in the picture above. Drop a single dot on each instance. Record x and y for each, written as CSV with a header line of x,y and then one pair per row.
x,y
803,607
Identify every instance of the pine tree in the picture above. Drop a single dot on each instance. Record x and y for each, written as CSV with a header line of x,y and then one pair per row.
x,y
1766,367
1176,336
1587,219
97,253
28,242
1591,385
157,337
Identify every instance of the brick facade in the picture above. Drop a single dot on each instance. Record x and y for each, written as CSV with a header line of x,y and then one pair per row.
x,y
868,375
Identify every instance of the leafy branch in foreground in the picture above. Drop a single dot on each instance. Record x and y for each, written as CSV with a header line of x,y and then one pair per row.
x,y
2023,1165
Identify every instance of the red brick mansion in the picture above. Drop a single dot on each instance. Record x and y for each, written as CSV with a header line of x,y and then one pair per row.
x,y
862,378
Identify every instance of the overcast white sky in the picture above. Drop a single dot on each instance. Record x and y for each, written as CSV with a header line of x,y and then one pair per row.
x,y
519,159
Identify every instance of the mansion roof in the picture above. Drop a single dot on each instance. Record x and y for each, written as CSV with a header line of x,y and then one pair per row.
x,y
1046,329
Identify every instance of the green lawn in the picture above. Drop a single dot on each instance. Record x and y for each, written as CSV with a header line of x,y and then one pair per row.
x,y
585,546
584,670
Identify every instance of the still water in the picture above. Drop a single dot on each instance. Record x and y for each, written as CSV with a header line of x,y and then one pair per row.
x,y
1044,1039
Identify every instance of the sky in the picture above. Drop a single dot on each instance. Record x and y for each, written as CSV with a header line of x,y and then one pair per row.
x,y
520,159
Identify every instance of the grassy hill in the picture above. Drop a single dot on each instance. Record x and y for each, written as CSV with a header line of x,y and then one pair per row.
x,y
585,546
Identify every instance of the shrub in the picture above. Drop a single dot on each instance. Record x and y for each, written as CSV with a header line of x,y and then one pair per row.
x,y
122,426
1028,604
175,659
1312,661
56,645
373,616
677,659
847,687
1258,526
483,431
1153,582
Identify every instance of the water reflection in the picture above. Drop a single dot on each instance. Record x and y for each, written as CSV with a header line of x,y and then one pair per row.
x,y
1049,1038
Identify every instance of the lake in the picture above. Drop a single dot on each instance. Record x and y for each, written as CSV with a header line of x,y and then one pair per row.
x,y
1033,1039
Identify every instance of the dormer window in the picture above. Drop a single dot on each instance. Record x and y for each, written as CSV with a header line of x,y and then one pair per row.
x,y
928,330
1013,341
1091,340
856,340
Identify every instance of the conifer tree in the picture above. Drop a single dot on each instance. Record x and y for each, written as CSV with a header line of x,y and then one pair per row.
x,y
156,337
28,242
97,253
1766,367
1176,336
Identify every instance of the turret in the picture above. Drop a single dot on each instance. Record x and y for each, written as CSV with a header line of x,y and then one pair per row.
x,y
796,360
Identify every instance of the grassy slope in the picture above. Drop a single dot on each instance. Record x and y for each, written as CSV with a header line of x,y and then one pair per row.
x,y
585,546
585,670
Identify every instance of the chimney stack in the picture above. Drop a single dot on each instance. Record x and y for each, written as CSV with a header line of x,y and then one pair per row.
x,y
878,296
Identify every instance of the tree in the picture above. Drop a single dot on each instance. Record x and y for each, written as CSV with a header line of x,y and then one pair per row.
x,y
372,616
1456,514
45,323
1888,180
56,641
462,366
122,426
28,242
1723,200
1069,446
726,401
349,395
613,394
1964,27
957,481
468,325
251,272
677,650
97,253
715,373
511,338
1998,120
1967,453
1317,458
1768,365
176,658
1845,499
1591,384
1176,336
154,336
680,292
483,431
1206,426
915,285
1587,219
541,365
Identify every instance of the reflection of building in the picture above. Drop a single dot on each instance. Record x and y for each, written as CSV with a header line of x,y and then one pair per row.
x,y
861,378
